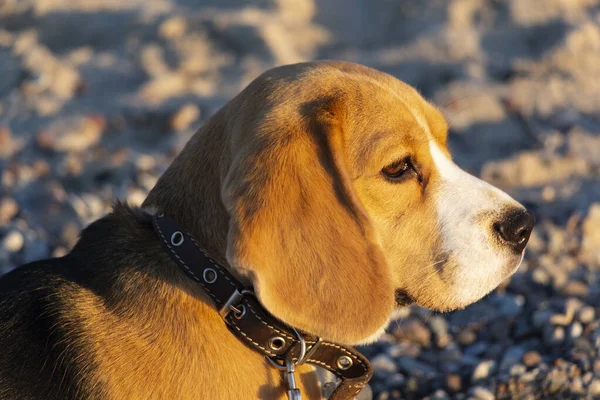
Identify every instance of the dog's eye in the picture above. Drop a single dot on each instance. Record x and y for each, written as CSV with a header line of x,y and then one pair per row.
x,y
399,170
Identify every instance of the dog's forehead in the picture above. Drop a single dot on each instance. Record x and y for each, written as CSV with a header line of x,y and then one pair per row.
x,y
388,127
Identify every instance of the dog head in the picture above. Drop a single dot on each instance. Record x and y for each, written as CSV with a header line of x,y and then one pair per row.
x,y
342,194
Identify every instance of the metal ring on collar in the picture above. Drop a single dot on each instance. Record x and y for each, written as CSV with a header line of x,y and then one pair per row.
x,y
209,275
177,238
301,356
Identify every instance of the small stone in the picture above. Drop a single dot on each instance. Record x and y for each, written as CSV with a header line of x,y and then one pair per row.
x,y
147,181
594,387
153,61
466,337
541,277
407,349
511,306
541,318
556,380
499,329
13,241
416,368
136,197
8,209
481,393
517,370
554,335
576,386
383,364
440,395
590,243
173,28
59,252
575,288
185,117
511,357
560,319
439,327
575,330
414,330
395,381
9,145
532,358
73,134
382,395
476,349
469,361
585,315
484,370
454,383
145,163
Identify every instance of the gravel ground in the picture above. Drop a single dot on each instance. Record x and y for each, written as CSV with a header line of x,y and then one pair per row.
x,y
98,96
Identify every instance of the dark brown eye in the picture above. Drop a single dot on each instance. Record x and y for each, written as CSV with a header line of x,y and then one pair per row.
x,y
399,170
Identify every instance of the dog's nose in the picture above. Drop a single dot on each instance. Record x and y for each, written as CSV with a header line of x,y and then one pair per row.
x,y
515,229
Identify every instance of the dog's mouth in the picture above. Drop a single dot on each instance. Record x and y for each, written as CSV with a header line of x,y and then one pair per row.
x,y
403,298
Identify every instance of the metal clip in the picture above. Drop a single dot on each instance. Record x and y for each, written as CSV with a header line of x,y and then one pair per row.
x,y
290,380
231,303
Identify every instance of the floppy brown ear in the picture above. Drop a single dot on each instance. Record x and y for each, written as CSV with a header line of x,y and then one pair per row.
x,y
298,231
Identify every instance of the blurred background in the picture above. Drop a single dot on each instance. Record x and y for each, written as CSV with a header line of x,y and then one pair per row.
x,y
98,96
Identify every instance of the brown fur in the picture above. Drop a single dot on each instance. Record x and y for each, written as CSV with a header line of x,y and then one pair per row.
x,y
282,185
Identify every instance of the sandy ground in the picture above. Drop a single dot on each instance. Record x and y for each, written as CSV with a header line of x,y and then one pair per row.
x,y
98,96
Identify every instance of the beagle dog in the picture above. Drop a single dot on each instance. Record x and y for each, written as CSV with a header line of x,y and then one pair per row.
x,y
327,187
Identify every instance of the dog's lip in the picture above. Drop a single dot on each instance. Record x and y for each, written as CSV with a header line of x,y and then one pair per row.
x,y
403,298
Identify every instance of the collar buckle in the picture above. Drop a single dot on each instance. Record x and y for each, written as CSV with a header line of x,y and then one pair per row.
x,y
233,303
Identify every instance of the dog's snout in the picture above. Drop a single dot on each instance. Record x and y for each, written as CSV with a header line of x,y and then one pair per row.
x,y
515,229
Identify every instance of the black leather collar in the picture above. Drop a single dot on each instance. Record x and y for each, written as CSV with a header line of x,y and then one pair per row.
x,y
253,324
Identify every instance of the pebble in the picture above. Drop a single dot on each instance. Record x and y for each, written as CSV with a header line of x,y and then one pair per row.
x,y
8,209
554,335
541,318
13,241
476,349
416,368
185,117
136,197
511,306
145,163
173,28
575,330
590,243
9,145
532,358
454,383
466,337
395,381
383,364
586,314
594,387
414,330
74,134
511,357
576,386
484,370
439,327
517,370
481,393
440,395
575,288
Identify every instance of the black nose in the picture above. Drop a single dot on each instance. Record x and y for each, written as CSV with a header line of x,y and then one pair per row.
x,y
515,229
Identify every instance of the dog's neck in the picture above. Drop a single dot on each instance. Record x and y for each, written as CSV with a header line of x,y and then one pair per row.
x,y
189,191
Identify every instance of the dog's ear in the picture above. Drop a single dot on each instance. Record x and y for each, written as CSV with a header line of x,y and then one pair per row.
x,y
297,229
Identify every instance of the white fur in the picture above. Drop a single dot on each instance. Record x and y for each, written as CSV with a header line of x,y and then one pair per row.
x,y
467,208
